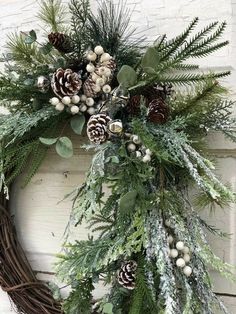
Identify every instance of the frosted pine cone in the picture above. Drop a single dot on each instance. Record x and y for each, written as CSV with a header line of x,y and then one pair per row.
x,y
97,128
89,88
61,42
66,83
126,275
158,111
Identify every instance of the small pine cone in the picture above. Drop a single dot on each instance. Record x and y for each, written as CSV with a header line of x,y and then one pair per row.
x,y
88,87
61,42
158,111
126,275
111,64
66,83
133,106
156,91
97,128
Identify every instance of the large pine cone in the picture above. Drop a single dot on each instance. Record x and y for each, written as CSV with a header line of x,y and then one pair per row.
x,y
61,42
126,275
66,83
158,111
97,128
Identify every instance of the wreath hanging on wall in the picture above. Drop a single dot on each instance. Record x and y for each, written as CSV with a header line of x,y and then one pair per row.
x,y
147,112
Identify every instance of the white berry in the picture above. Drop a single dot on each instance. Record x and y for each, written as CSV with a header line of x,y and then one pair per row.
x,y
105,57
173,253
146,158
186,250
180,245
74,109
54,101
136,139
148,152
60,107
167,223
106,89
187,271
89,102
102,70
94,77
90,68
100,81
186,258
107,72
91,111
170,239
75,99
83,97
98,50
91,56
83,108
66,100
138,154
131,147
97,88
180,262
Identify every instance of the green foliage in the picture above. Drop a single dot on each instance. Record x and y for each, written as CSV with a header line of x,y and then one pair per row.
x,y
125,201
80,299
127,76
164,62
108,28
77,124
53,14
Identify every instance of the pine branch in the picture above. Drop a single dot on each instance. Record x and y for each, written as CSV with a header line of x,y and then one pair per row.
x,y
53,14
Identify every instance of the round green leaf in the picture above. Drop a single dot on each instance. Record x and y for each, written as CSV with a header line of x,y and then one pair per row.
x,y
48,141
150,59
107,308
64,147
77,124
127,76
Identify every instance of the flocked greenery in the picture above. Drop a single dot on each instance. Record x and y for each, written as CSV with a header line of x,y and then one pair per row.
x,y
126,202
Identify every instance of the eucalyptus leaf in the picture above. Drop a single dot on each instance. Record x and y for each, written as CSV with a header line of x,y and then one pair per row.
x,y
127,202
108,308
150,59
64,147
31,38
127,76
48,141
77,124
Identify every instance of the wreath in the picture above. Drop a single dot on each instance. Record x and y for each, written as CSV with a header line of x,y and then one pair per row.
x,y
147,110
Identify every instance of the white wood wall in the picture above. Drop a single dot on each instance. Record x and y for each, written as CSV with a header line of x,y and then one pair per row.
x,y
40,219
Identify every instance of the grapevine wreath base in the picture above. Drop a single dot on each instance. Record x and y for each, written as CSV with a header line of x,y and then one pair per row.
x,y
28,294
147,111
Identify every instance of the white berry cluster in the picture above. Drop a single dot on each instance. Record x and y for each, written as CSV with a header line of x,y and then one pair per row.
x,y
179,252
75,104
135,146
100,73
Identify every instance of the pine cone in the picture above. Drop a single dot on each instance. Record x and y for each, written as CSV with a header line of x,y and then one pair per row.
x,y
97,128
158,111
126,275
156,91
88,87
111,64
133,106
66,83
61,42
